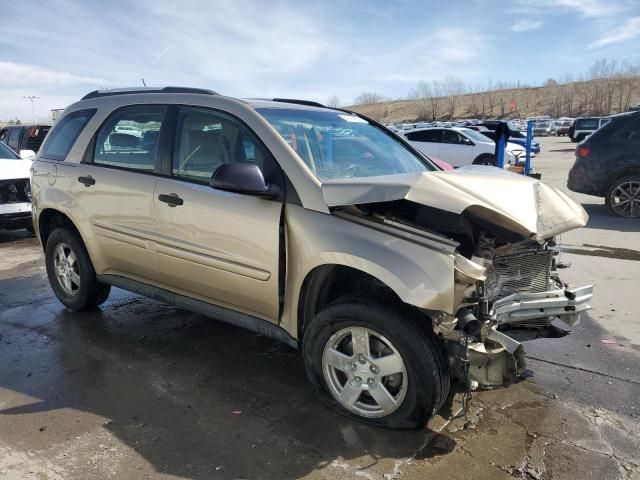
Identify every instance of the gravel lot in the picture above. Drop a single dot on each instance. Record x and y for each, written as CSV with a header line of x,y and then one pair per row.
x,y
144,390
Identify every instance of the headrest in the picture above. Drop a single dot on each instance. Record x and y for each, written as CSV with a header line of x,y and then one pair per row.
x,y
123,140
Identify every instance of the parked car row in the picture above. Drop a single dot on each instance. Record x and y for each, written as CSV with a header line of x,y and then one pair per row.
x,y
15,190
18,146
608,164
460,146
24,137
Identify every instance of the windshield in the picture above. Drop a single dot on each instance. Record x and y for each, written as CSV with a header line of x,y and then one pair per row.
x,y
6,152
476,136
337,144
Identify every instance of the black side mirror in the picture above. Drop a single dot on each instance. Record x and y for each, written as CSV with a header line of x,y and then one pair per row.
x,y
242,177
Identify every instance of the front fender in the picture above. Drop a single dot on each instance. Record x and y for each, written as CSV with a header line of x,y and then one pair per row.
x,y
420,276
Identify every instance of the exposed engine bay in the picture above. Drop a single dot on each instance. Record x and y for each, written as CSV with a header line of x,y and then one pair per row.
x,y
507,287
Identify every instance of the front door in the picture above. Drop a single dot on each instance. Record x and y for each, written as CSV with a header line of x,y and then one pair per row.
x,y
219,246
454,150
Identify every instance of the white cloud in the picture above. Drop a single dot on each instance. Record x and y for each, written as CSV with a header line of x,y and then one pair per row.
x,y
20,75
526,25
587,8
630,29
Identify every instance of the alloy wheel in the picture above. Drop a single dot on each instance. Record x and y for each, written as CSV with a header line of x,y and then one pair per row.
x,y
66,269
625,199
364,371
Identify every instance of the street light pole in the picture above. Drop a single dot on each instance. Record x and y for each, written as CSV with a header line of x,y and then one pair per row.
x,y
33,109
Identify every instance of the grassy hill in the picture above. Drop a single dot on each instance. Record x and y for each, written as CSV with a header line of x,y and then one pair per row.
x,y
594,97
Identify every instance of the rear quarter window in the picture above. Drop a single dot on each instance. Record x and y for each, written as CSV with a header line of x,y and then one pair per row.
x,y
65,133
587,124
629,130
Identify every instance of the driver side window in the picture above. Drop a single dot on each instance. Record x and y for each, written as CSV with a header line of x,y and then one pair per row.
x,y
205,140
451,137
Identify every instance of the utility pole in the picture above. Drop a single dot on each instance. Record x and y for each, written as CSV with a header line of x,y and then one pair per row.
x,y
33,109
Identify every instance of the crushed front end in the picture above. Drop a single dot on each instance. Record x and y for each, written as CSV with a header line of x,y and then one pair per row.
x,y
508,294
500,230
15,204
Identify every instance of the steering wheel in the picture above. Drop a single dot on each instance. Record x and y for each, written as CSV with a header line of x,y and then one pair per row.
x,y
356,170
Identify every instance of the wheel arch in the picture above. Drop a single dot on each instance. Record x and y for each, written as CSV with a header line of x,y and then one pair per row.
x,y
51,218
326,283
617,174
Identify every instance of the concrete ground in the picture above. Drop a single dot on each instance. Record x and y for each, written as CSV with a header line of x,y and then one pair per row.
x,y
144,390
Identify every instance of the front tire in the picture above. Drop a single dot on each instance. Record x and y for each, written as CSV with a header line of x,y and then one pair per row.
x,y
623,197
71,272
375,363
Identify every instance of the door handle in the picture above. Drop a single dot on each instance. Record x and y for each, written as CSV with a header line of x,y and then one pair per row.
x,y
88,180
172,199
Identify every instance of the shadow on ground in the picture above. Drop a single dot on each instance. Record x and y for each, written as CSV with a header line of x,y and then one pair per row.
x,y
601,218
190,395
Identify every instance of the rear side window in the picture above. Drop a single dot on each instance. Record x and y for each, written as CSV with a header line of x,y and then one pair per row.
x,y
34,136
129,139
65,133
14,138
587,124
431,136
630,131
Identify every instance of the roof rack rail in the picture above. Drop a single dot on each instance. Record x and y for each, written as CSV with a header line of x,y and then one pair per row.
x,y
128,91
308,103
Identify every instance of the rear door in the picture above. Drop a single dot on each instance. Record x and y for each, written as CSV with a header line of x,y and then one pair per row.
x,y
427,141
219,246
113,189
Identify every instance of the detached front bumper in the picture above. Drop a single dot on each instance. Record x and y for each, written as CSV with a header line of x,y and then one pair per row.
x,y
524,309
496,358
15,215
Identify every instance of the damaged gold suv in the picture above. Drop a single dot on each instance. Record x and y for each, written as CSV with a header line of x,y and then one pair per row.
x,y
312,225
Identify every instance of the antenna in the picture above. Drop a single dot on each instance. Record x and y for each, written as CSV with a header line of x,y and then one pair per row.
x,y
143,82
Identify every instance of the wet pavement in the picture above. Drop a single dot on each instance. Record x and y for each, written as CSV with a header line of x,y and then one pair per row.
x,y
140,390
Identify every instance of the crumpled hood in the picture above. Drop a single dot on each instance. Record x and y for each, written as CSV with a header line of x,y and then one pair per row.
x,y
516,202
11,169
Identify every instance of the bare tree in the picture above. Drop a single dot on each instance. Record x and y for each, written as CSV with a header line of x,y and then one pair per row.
x,y
420,96
333,101
453,87
490,99
426,98
475,104
368,98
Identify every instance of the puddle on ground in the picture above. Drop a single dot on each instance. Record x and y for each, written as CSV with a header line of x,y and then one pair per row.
x,y
601,251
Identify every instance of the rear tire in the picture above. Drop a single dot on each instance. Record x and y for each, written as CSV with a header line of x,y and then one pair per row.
x,y
406,398
485,159
71,272
623,196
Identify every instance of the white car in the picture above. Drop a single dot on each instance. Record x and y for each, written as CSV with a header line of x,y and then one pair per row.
x,y
15,189
129,130
460,146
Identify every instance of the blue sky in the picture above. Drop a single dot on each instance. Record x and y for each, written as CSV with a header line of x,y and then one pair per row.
x,y
59,50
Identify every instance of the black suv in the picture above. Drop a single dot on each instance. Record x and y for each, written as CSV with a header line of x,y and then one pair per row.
x,y
24,137
608,165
